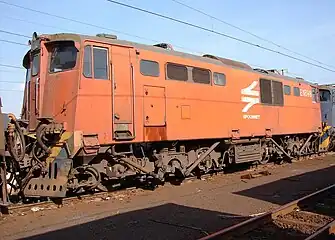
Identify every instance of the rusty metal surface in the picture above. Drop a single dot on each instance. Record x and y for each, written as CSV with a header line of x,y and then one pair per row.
x,y
53,184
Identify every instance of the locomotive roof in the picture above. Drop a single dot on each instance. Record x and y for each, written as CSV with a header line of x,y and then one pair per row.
x,y
206,58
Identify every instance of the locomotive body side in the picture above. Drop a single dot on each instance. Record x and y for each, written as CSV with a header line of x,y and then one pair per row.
x,y
151,107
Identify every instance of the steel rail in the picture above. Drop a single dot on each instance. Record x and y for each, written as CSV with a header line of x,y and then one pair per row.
x,y
252,223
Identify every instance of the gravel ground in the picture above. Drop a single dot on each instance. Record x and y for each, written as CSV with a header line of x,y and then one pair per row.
x,y
189,211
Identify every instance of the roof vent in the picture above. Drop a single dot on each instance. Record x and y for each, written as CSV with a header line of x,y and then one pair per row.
x,y
164,45
261,70
211,56
104,35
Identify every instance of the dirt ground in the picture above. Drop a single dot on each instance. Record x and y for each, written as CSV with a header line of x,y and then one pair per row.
x,y
189,211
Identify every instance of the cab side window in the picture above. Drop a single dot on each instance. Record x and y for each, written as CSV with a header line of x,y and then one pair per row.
x,y
176,72
219,79
87,68
95,62
100,60
287,90
324,95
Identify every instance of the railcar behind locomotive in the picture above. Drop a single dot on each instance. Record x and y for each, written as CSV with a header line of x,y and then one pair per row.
x,y
97,108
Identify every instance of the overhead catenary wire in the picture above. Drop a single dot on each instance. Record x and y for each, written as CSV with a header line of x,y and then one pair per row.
x,y
36,23
11,90
89,24
10,66
8,71
15,82
217,33
84,23
12,42
250,33
15,34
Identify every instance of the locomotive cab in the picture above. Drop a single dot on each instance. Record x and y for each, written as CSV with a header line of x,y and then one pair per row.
x,y
51,65
327,102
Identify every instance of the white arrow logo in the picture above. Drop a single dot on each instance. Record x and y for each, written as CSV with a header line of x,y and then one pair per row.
x,y
250,100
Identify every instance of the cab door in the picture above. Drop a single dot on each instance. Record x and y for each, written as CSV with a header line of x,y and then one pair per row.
x,y
123,92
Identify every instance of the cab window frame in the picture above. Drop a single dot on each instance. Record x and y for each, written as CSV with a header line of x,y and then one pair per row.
x,y
92,47
51,45
149,73
200,69
271,92
219,74
177,65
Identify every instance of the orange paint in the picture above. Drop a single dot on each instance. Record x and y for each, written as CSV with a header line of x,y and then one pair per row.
x,y
156,109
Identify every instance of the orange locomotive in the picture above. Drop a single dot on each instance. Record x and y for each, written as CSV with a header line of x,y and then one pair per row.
x,y
99,108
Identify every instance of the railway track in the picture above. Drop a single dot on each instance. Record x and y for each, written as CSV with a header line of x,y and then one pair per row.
x,y
310,217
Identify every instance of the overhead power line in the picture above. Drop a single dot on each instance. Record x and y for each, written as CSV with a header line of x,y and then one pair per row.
x,y
10,90
16,82
10,66
70,19
250,33
218,33
89,24
15,34
81,22
8,71
36,23
12,42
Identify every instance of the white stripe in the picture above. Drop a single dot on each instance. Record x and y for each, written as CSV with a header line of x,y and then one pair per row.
x,y
251,101
249,91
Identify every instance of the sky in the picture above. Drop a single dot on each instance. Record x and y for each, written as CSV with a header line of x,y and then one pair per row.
x,y
304,26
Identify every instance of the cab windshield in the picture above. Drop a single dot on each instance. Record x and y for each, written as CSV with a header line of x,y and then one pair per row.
x,y
63,57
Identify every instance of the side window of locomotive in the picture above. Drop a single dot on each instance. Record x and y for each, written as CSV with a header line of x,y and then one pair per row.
x,y
296,91
87,68
176,72
266,93
324,95
278,95
149,68
219,79
287,90
201,75
100,63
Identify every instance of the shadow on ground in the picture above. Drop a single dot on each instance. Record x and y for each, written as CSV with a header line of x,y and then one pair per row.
x,y
168,221
288,189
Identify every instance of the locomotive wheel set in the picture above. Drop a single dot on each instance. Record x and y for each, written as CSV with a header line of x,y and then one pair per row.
x,y
97,109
